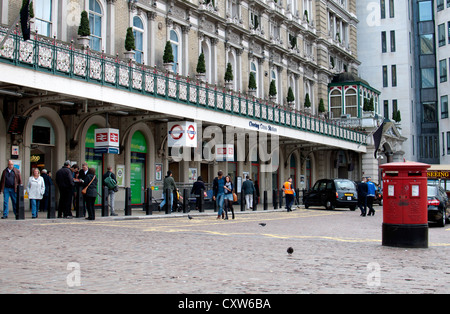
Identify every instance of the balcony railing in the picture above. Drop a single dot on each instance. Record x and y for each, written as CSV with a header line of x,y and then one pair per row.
x,y
63,59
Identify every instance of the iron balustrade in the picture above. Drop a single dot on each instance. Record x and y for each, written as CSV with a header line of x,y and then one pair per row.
x,y
64,59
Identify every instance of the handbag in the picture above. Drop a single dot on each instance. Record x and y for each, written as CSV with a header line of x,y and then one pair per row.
x,y
234,197
84,191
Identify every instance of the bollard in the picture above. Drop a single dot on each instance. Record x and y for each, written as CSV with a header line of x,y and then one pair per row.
x,y
20,203
185,201
265,205
274,199
148,203
105,210
280,194
127,202
168,206
51,209
79,203
200,206
242,202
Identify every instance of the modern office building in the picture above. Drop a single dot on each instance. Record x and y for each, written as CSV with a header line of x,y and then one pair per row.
x,y
55,91
409,65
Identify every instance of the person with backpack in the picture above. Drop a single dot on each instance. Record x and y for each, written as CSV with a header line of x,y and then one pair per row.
x,y
110,181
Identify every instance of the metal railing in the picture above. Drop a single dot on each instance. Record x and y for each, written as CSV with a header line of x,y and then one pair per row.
x,y
64,59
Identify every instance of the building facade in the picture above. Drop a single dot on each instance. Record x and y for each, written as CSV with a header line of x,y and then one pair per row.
x,y
60,91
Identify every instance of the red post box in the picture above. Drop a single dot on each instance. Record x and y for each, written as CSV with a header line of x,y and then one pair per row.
x,y
405,213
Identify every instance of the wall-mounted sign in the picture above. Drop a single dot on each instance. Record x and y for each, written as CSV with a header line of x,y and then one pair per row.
x,y
106,137
182,133
107,141
224,152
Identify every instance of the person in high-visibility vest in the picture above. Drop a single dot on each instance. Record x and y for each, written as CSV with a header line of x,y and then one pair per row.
x,y
289,193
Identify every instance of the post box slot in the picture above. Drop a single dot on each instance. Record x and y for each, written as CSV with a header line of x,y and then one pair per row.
x,y
392,173
415,174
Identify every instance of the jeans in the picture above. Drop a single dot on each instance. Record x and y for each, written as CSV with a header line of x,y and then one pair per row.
x,y
219,202
34,203
249,201
9,193
111,195
164,201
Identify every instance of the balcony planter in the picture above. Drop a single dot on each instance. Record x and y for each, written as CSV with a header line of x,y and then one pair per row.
x,y
84,31
83,41
129,44
168,58
129,55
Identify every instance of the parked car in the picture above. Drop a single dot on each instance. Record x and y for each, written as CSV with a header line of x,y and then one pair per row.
x,y
438,205
332,193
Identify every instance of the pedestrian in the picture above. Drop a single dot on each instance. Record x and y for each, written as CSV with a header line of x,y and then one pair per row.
x,y
64,180
8,185
197,189
90,183
169,183
219,192
362,196
110,181
48,182
370,196
248,189
289,193
36,190
228,197
256,202
76,174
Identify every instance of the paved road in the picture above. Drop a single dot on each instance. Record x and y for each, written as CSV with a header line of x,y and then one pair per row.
x,y
334,252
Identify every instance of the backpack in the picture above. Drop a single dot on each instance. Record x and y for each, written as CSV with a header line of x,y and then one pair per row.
x,y
110,182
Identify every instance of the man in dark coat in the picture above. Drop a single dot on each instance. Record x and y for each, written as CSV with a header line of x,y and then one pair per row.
x,y
8,185
64,180
48,183
362,196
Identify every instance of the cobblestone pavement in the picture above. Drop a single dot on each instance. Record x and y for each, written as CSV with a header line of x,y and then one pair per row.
x,y
334,252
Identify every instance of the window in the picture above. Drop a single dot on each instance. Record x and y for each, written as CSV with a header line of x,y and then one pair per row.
x,y
138,32
441,34
254,70
443,70
444,107
336,103
351,102
448,143
428,78
383,42
391,9
95,24
440,5
392,41
383,8
427,44
386,109
43,14
385,76
448,31
175,48
429,112
425,11
394,75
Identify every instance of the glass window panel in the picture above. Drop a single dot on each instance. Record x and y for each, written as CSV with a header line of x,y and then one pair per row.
x,y
427,44
428,78
425,11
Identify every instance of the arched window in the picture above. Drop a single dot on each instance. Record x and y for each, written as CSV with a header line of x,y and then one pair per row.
x,y
351,102
43,13
336,103
254,70
95,24
175,42
138,32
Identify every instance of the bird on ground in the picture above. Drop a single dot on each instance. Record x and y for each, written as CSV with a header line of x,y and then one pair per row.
x,y
190,217
290,250
262,224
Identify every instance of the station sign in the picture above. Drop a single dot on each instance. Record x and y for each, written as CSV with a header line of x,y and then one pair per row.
x,y
182,133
